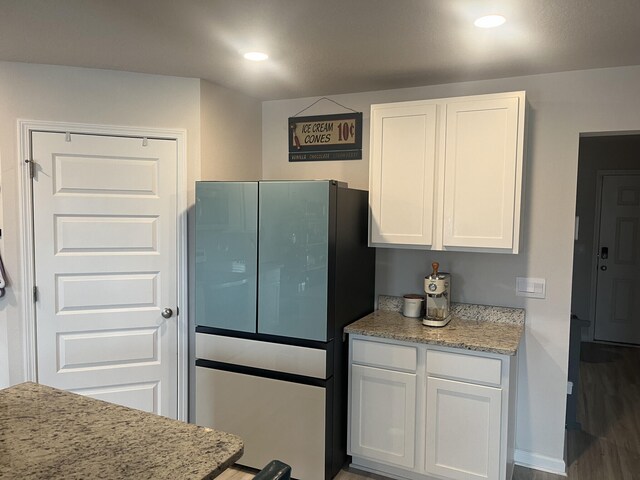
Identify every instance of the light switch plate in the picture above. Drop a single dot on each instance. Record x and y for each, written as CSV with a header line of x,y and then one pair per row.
x,y
531,287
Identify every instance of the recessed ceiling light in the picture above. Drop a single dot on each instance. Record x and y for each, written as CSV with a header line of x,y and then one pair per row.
x,y
490,21
256,56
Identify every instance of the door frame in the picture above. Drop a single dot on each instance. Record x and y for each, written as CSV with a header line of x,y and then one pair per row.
x,y
25,127
596,243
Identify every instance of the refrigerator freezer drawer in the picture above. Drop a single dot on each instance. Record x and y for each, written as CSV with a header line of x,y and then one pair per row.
x,y
275,419
308,362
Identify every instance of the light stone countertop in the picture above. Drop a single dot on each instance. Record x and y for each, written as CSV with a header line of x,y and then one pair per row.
x,y
52,434
481,328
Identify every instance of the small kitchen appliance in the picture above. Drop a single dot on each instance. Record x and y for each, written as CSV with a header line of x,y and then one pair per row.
x,y
437,286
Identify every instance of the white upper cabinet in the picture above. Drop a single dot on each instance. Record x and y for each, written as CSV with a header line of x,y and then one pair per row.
x,y
403,152
447,174
481,161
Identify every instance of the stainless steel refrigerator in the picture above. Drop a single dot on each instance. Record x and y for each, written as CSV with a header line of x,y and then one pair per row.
x,y
281,268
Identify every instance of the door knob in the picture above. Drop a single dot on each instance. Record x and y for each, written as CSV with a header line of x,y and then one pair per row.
x,y
167,313
603,268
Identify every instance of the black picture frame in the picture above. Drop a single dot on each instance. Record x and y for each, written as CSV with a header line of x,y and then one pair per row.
x,y
321,132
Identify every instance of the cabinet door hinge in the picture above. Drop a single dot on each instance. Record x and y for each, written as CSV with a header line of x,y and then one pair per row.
x,y
35,294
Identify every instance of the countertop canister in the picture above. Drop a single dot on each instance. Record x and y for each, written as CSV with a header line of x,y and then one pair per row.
x,y
412,305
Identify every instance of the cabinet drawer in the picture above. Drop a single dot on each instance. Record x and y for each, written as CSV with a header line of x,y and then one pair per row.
x,y
469,368
386,355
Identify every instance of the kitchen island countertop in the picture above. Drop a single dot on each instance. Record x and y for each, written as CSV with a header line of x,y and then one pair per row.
x,y
53,434
473,327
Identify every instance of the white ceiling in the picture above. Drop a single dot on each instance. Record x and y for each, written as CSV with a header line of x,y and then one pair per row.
x,y
320,47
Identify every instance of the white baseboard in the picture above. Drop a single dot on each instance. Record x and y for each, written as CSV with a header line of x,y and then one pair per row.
x,y
540,462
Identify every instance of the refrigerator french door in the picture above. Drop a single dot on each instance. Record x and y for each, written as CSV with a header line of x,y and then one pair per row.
x,y
281,268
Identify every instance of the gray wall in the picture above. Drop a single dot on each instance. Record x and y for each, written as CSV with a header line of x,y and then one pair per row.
x,y
562,106
619,152
231,132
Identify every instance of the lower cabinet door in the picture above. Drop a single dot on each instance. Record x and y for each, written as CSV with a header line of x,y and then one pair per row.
x,y
383,415
463,430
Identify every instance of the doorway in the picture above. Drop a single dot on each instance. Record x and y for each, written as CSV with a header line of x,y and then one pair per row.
x,y
605,159
108,265
608,381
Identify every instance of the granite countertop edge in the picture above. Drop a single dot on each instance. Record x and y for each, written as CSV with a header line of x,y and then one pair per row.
x,y
481,328
428,341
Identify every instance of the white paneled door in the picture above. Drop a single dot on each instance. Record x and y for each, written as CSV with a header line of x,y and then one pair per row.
x,y
617,300
105,231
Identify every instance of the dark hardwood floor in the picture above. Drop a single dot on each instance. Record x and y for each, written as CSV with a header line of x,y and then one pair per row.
x,y
608,445
609,410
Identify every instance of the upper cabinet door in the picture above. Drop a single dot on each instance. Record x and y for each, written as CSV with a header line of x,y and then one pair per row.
x,y
402,173
293,259
483,168
226,255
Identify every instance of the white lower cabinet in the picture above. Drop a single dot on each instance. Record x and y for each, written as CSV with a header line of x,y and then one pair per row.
x,y
463,429
443,413
383,415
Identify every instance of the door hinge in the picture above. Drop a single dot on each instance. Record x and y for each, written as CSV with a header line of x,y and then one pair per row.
x,y
35,294
32,169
